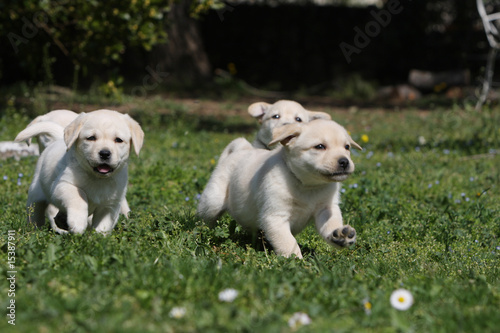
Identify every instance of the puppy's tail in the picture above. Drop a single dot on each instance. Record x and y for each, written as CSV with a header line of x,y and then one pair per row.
x,y
49,129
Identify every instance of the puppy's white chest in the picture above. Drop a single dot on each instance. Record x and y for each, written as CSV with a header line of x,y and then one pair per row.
x,y
300,212
304,205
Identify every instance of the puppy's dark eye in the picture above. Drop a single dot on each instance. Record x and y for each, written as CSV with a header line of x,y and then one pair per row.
x,y
276,116
347,147
320,147
298,119
118,140
91,138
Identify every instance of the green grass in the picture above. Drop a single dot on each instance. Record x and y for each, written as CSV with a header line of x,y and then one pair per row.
x,y
426,214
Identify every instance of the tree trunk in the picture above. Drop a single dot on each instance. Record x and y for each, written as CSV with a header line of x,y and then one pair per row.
x,y
183,56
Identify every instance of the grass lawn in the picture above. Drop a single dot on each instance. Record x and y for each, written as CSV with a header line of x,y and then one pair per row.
x,y
424,200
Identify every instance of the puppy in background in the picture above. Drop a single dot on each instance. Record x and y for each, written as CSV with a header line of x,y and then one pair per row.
x,y
59,119
85,173
278,114
279,191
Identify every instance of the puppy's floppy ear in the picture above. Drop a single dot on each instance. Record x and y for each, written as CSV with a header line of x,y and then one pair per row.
x,y
257,110
284,134
354,144
72,131
137,133
318,115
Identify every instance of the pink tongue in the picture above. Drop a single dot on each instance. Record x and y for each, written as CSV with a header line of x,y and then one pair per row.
x,y
103,168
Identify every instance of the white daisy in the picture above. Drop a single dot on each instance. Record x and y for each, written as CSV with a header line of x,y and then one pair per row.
x,y
228,295
299,319
367,306
401,299
177,312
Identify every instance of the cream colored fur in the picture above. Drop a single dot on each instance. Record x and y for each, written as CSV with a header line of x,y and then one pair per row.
x,y
278,114
279,191
62,118
85,174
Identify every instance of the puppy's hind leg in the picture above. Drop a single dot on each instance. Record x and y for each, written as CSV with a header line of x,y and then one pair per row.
x,y
213,199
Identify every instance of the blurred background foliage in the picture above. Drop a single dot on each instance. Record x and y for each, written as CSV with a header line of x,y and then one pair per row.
x,y
290,45
84,34
79,37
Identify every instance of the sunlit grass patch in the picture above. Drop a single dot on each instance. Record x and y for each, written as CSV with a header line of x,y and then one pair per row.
x,y
424,201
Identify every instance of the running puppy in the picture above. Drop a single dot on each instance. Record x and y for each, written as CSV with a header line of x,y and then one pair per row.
x,y
52,126
279,191
278,114
84,174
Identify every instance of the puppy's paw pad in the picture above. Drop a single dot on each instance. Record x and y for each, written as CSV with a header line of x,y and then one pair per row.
x,y
344,237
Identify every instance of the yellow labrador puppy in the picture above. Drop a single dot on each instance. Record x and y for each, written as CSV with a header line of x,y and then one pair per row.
x,y
86,173
52,125
278,114
59,119
279,191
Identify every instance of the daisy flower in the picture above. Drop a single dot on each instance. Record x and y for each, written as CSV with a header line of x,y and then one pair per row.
x,y
401,299
299,319
228,295
367,306
177,312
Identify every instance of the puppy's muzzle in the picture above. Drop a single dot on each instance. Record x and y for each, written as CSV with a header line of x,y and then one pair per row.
x,y
343,164
104,154
342,170
104,168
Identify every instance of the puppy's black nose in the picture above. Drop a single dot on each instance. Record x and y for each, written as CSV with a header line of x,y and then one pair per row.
x,y
105,154
344,163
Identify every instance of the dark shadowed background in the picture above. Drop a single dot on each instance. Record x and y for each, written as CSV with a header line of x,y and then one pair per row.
x,y
271,45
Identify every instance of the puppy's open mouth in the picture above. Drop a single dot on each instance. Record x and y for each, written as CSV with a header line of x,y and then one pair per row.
x,y
103,169
336,175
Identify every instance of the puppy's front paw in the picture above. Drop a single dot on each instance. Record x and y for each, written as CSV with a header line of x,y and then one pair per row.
x,y
344,236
